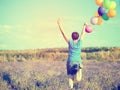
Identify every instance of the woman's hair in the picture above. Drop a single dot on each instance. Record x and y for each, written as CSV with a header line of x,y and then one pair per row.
x,y
75,35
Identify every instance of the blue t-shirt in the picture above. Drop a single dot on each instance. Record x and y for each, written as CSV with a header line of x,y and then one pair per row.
x,y
74,51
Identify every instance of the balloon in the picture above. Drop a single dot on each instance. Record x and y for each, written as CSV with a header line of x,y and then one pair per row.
x,y
112,5
105,16
94,20
88,29
106,4
96,14
101,11
111,13
99,20
99,2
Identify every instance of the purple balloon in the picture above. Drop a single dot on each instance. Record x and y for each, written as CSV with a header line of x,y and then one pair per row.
x,y
101,11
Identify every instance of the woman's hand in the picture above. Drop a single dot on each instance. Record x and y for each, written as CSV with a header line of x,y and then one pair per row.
x,y
85,24
59,22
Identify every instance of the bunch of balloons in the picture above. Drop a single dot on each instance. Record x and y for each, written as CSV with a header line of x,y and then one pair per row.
x,y
105,11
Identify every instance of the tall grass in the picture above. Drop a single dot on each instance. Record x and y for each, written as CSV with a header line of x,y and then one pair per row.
x,y
59,54
51,75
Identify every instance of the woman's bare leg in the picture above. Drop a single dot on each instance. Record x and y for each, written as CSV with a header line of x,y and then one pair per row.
x,y
71,82
78,76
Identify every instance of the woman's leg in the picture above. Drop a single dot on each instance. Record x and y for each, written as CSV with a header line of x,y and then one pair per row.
x,y
71,82
70,77
78,76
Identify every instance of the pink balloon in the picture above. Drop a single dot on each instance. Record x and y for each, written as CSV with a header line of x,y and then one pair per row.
x,y
88,29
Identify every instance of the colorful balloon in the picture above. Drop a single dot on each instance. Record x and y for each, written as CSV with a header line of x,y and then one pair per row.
x,y
99,20
96,14
94,20
112,5
99,2
105,11
101,11
111,13
106,4
105,16
88,29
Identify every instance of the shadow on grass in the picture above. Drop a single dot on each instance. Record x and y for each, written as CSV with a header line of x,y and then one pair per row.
x,y
54,82
6,77
41,85
116,88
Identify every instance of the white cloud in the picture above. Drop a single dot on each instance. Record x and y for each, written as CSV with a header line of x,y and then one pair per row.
x,y
116,22
3,46
76,18
6,27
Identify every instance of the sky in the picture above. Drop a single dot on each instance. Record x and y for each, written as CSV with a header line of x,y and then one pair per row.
x,y
31,24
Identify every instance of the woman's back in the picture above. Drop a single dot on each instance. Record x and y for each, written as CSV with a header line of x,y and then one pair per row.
x,y
74,50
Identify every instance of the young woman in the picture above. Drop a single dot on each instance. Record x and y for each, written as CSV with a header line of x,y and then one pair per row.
x,y
74,62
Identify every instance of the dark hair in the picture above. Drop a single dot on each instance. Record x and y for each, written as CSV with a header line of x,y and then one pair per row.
x,y
75,35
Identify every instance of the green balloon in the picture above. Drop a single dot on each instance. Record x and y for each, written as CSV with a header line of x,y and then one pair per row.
x,y
106,4
105,16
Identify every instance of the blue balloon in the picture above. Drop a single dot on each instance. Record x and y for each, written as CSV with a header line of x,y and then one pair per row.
x,y
101,11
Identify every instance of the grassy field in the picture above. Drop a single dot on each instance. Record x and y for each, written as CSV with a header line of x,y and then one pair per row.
x,y
59,54
51,75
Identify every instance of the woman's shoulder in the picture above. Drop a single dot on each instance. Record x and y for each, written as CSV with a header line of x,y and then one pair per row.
x,y
70,40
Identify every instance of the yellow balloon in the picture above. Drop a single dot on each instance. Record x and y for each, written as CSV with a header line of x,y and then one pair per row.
x,y
99,20
112,5
99,2
96,14
111,13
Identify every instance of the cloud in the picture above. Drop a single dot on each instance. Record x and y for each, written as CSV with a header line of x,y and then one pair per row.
x,y
116,22
6,27
3,46
93,42
76,18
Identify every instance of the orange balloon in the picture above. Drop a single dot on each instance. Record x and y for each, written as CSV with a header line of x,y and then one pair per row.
x,y
108,15
96,14
99,20
99,2
111,13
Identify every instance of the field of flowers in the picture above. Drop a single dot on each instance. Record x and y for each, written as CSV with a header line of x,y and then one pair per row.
x,y
51,75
